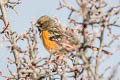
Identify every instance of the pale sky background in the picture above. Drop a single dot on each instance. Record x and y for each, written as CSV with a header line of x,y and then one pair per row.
x,y
37,8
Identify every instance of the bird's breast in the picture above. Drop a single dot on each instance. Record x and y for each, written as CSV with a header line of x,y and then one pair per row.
x,y
48,44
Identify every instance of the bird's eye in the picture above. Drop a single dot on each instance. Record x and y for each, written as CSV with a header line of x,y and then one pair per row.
x,y
41,22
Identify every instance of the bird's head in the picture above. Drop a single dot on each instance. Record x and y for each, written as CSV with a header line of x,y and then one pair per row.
x,y
43,23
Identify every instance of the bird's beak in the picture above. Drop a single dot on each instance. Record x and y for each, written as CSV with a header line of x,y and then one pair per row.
x,y
36,24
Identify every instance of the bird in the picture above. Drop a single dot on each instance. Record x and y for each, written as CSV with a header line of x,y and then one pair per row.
x,y
54,38
57,40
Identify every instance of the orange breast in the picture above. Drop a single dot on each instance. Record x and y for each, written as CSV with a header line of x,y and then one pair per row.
x,y
48,44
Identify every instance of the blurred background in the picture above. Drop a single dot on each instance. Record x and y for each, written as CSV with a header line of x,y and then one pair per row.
x,y
29,9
